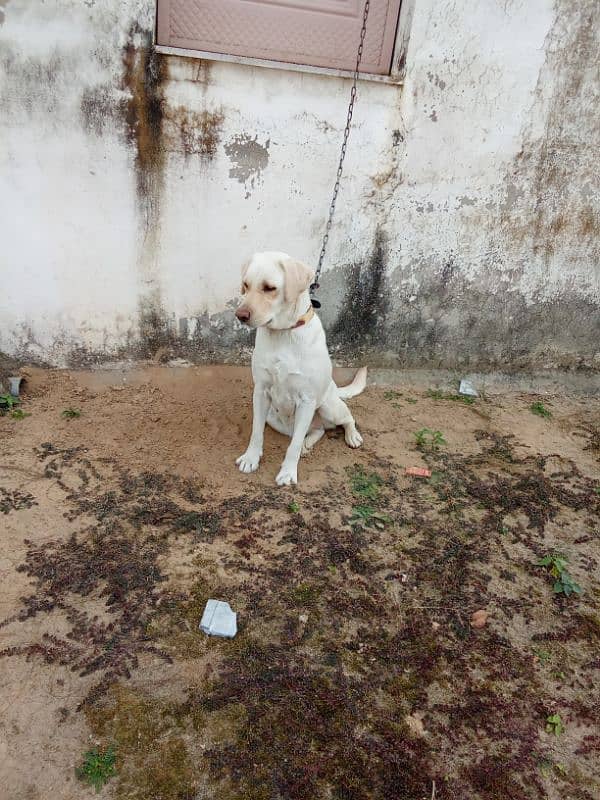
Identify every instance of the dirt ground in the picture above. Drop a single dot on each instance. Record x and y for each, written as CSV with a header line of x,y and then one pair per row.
x,y
359,671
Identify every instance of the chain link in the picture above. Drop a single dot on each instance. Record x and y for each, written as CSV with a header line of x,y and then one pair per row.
x,y
340,168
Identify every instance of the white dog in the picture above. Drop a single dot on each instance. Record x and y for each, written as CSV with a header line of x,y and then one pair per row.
x,y
293,386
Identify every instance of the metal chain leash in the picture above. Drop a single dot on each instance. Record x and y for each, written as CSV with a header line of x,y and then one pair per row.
x,y
340,169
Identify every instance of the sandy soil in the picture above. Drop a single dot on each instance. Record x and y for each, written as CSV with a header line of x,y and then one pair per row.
x,y
357,672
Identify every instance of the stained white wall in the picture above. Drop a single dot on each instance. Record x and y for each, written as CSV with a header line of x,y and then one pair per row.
x,y
476,173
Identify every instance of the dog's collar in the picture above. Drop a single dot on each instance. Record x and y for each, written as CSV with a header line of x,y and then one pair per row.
x,y
304,319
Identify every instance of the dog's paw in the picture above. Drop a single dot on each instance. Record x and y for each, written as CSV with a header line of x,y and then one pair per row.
x,y
353,438
248,462
287,475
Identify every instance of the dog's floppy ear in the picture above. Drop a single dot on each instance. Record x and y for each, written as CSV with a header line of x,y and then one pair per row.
x,y
298,277
245,266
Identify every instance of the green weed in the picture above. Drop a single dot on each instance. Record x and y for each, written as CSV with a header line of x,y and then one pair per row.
x,y
293,507
71,413
427,439
540,410
365,485
554,724
368,517
305,594
7,403
18,413
437,394
547,765
543,656
563,582
97,767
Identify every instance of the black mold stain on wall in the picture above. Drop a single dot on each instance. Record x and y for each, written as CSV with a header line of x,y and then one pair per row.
x,y
154,129
100,110
470,328
446,321
361,322
550,204
144,73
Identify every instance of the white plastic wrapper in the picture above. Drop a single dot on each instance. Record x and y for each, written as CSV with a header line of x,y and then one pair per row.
x,y
218,619
467,388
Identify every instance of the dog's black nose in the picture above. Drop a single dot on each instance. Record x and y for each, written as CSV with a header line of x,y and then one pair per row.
x,y
243,314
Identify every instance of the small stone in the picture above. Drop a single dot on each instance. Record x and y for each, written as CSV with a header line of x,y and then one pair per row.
x,y
415,724
479,618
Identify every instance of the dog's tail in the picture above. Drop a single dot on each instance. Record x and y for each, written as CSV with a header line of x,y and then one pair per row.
x,y
356,387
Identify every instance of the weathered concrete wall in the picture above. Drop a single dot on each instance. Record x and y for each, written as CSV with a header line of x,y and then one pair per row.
x,y
133,185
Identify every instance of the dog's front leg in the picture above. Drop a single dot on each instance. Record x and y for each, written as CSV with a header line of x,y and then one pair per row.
x,y
260,408
305,411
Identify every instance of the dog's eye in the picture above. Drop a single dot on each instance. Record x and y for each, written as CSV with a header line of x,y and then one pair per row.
x,y
269,288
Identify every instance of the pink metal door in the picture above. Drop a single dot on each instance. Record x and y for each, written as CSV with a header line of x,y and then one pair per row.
x,y
320,33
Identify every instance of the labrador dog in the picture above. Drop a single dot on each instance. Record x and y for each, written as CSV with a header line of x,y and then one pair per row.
x,y
294,391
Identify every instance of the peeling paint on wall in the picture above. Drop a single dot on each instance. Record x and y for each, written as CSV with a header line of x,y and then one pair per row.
x,y
249,158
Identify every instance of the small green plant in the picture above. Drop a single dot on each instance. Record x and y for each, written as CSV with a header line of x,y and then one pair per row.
x,y
411,400
566,585
368,517
18,413
437,394
547,765
597,489
543,656
305,594
71,413
563,582
427,439
7,403
365,485
98,766
395,396
554,724
293,507
540,410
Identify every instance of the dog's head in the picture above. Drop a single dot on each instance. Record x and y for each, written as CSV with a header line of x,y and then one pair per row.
x,y
274,291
